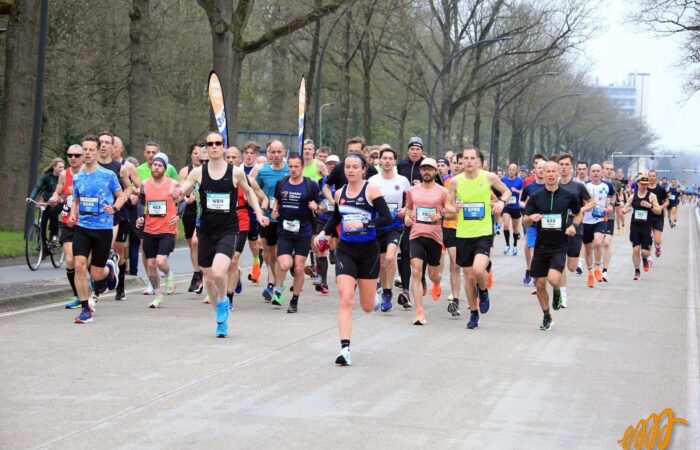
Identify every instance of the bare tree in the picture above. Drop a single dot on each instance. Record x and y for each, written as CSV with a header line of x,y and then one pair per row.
x,y
140,76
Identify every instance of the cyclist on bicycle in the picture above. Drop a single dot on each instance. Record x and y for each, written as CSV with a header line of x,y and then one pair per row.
x,y
46,186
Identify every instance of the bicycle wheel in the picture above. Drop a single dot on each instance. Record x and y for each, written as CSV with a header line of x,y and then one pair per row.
x,y
57,255
33,249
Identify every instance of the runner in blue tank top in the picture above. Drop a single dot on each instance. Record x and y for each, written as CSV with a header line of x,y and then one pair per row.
x,y
361,208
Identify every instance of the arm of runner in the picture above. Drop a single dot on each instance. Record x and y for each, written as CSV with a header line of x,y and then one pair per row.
x,y
383,214
327,194
496,182
262,198
133,175
195,176
451,204
655,207
239,178
333,222
57,194
322,169
125,182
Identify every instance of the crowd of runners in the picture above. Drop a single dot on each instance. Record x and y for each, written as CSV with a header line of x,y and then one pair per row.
x,y
381,221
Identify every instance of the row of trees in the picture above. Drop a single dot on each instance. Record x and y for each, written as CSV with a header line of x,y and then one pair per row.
x,y
490,69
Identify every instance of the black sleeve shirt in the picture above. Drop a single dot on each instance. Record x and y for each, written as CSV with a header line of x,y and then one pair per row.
x,y
557,209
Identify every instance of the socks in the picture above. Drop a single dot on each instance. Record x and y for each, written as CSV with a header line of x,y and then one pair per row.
x,y
323,268
295,298
70,273
345,343
516,238
122,274
546,313
506,235
387,291
256,260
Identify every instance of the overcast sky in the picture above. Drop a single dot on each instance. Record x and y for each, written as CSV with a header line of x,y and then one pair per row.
x,y
624,48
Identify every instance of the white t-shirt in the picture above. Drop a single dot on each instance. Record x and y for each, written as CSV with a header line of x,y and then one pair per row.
x,y
599,193
392,190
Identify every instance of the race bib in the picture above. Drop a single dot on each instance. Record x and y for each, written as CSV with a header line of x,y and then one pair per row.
x,y
66,206
273,200
551,221
423,214
291,225
393,208
473,211
641,214
512,200
671,197
157,208
349,218
218,202
89,206
598,212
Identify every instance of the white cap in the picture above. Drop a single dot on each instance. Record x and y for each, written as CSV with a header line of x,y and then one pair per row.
x,y
333,158
162,157
428,162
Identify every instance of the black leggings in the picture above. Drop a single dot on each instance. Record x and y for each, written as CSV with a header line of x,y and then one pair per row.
x,y
50,217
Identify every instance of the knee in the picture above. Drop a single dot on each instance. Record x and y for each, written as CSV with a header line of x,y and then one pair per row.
x,y
478,272
416,272
151,264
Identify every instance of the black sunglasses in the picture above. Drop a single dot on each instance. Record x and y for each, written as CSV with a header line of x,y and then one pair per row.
x,y
213,143
74,155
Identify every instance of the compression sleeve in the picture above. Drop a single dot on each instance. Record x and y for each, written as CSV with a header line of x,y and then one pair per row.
x,y
384,215
333,222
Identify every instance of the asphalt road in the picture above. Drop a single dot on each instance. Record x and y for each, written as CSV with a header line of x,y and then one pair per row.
x,y
142,378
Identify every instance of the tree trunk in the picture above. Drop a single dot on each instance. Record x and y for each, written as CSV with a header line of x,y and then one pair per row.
x,y
311,75
366,95
477,120
21,48
140,77
496,137
280,67
345,88
224,61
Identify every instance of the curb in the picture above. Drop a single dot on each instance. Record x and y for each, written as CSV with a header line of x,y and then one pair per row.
x,y
18,302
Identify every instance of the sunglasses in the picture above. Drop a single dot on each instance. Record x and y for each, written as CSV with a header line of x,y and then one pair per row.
x,y
213,143
74,155
374,156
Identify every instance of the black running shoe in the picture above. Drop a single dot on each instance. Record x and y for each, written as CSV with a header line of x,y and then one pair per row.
x,y
120,295
556,301
292,308
546,323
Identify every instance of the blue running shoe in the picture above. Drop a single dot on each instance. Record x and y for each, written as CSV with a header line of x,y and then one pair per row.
x,y
515,251
526,280
222,330
484,303
386,301
221,311
230,304
84,317
112,277
506,250
377,302
473,320
72,304
267,293
239,288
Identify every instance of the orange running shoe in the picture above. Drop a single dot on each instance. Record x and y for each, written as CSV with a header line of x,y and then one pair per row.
x,y
255,273
591,280
598,275
489,279
436,292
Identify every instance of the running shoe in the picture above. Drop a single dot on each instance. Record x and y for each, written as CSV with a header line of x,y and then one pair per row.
x,y
84,317
310,272
419,321
316,280
120,295
73,303
157,302
637,275
526,279
598,275
556,301
222,330
605,275
292,308
657,251
254,274
201,288
386,302
646,265
222,311
484,302
404,300
267,293
343,358
194,283
149,290
506,250
473,320
515,251
92,303
436,292
532,281
489,279
169,283
113,275
453,308
277,298
591,280
239,287
498,229
231,306
579,271
563,300
206,300
546,323
322,289
377,302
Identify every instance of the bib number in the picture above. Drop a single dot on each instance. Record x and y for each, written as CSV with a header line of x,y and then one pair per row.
x,y
218,202
641,214
353,218
393,209
291,225
156,208
672,197
89,206
551,221
423,214
473,211
66,206
598,212
512,200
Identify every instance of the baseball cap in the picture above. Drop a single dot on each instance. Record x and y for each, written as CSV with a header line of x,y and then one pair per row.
x,y
162,157
523,168
428,162
333,158
643,180
444,161
415,141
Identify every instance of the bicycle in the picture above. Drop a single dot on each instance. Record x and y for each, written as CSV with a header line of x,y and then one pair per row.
x,y
34,248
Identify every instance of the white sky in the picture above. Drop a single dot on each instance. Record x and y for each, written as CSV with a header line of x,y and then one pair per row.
x,y
624,48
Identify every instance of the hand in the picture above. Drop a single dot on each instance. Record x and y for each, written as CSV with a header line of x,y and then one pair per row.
x,y
176,191
497,206
139,222
190,199
321,236
109,209
513,190
353,225
401,213
173,220
134,199
625,210
262,220
570,230
72,219
536,217
275,214
407,221
645,204
608,209
53,200
313,206
434,217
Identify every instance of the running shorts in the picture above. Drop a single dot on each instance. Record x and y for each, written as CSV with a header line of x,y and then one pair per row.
x,y
65,233
87,241
158,244
216,242
640,236
610,227
590,229
657,222
427,249
514,213
468,248
449,237
188,223
387,237
544,259
269,233
358,260
293,245
573,245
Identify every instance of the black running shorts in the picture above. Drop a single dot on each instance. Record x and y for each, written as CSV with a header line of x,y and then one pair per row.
x,y
657,222
640,236
426,249
449,237
468,248
212,243
189,222
573,245
589,230
358,260
513,213
544,259
88,242
387,237
158,244
269,233
242,238
293,245
65,233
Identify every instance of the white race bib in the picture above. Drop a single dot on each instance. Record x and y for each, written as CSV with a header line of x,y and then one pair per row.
x,y
67,205
291,225
551,221
641,214
348,218
89,206
157,208
473,211
671,197
218,202
423,214
512,200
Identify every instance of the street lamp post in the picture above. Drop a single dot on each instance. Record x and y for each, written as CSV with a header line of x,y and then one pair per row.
x,y
457,55
493,151
320,122
537,116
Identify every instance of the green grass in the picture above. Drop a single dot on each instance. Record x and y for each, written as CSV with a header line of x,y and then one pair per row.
x,y
11,244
